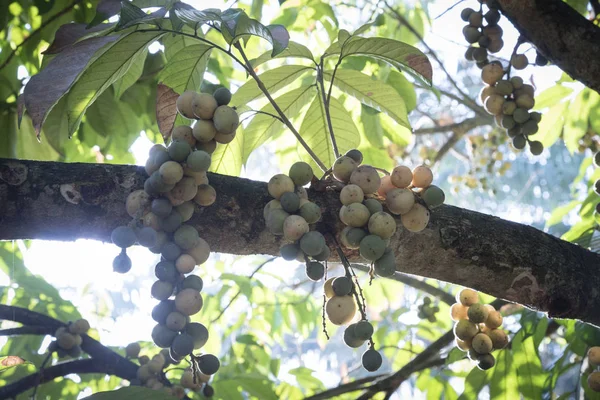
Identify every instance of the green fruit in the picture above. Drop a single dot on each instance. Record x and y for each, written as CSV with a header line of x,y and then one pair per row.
x,y
433,196
208,364
226,120
481,343
315,271
465,329
367,178
188,301
310,212
350,339
514,131
323,255
161,207
162,310
471,34
492,17
351,194
222,96
171,222
301,173
163,336
208,147
342,286
530,127
198,332
536,147
363,330
480,54
355,154
290,202
385,265
147,237
176,321
466,13
122,263
536,116
198,161
507,122
373,205
271,205
182,345
517,82
343,168
275,220
509,107
123,236
186,210
352,237
478,313
289,251
192,282
179,150
186,237
485,361
170,251
355,214
469,53
312,243
372,247
132,350
371,360
382,224
166,271
204,106
204,132
504,87
161,290
520,115
519,142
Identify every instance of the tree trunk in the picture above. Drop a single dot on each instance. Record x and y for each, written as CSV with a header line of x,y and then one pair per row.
x,y
57,201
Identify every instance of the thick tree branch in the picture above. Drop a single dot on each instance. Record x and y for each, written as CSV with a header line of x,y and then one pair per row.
x,y
561,34
56,201
466,125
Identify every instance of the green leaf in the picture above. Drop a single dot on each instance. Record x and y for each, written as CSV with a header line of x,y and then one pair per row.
x,y
273,80
503,384
343,35
552,96
576,120
194,18
185,70
227,158
263,126
130,77
129,14
551,125
560,212
474,383
404,88
241,25
104,71
305,378
131,392
455,355
530,375
314,131
294,49
369,117
373,93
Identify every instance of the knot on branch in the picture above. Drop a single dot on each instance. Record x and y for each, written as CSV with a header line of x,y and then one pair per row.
x,y
13,173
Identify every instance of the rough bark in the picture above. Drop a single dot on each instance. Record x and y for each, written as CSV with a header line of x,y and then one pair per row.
x,y
56,201
561,34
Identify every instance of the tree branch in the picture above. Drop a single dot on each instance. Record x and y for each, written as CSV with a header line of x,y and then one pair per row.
x,y
466,124
561,34
58,201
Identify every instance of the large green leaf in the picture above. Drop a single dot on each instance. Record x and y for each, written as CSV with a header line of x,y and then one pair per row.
x,y
185,70
227,158
194,18
551,125
474,383
552,96
263,126
371,123
576,120
404,88
130,77
104,71
241,25
131,392
294,49
527,362
315,132
273,80
374,93
560,212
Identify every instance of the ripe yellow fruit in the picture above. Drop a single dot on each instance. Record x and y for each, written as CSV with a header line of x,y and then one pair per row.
x,y
416,219
184,104
367,178
382,224
494,320
458,312
206,195
594,356
279,184
204,105
499,338
594,381
400,201
422,176
355,214
467,297
492,73
340,309
482,343
200,252
385,186
328,288
351,194
402,176
343,168
204,131
171,172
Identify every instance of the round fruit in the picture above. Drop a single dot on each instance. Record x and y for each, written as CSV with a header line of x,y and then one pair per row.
x,y
519,61
367,178
280,184
372,247
351,237
176,321
198,161
179,150
462,345
163,336
186,237
350,338
147,237
224,138
477,313
494,320
143,373
222,96
343,168
290,202
204,106
275,221
170,251
185,264
171,172
192,282
171,222
594,356
208,391
122,263
185,190
310,212
301,173
355,154
385,265
385,186
226,120
323,255
371,360
482,343
494,104
289,251
271,205
467,297
363,330
294,227
198,332
465,329
182,345
183,133
536,147
433,196
162,310
340,309
161,290
382,224
184,104
499,338
204,132
208,364
492,73
166,271
400,201
341,286
208,147
136,202
402,176
485,362
123,236
471,34
328,288
509,107
206,195
486,92
132,350
312,243
351,194
519,142
458,312
373,205
315,271
416,219
422,176
355,214
188,301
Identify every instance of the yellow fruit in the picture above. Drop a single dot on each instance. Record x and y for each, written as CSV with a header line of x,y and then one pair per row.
x,y
458,312
482,343
594,356
494,320
416,219
465,329
206,195
204,131
279,184
400,201
499,338
385,186
467,297
200,252
184,104
204,105
328,288
422,176
340,309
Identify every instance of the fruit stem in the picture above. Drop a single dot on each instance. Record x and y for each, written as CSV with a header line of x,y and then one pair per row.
x,y
326,99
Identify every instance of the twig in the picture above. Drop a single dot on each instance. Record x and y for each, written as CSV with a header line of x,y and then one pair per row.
x,y
468,124
449,8
38,30
41,373
326,99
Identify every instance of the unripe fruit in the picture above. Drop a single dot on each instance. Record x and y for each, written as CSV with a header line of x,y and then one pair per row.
x,y
289,251
494,104
132,350
279,184
519,61
204,131
385,265
123,236
356,155
204,106
294,227
179,151
465,329
363,330
486,92
485,362
467,297
143,373
136,202
275,220
494,320
382,224
122,263
155,366
224,138
400,201
355,214
161,290
312,243
208,147
166,271
343,168
143,360
188,301
351,194
184,104
290,202
495,45
198,332
183,133
340,309
433,196
482,343
477,313
311,212
222,95
402,176
146,237
226,120
386,185
162,310
162,336
271,205
509,107
176,321
519,142
66,340
170,251
301,173
208,364
187,381
367,178
171,222
371,360
492,73
372,247
594,381
198,161
341,286
504,87
186,237
525,101
499,338
476,19
480,53
206,195
170,172
471,34
416,219
192,282
458,312
185,264
350,338
594,356
466,13
462,345
351,237
182,345
315,271
373,205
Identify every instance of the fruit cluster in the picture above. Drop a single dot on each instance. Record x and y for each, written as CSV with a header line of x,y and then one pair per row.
x,y
510,99
427,310
594,361
68,339
149,372
477,328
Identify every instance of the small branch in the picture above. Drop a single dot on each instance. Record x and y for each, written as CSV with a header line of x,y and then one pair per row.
x,y
449,8
263,112
336,152
28,330
38,30
466,124
345,388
